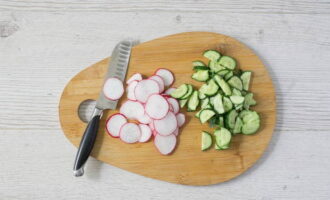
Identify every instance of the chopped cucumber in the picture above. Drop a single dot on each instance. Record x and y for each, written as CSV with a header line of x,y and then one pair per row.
x,y
205,103
201,75
236,83
221,121
206,140
249,101
198,113
238,125
251,122
246,77
183,102
217,104
205,115
201,95
197,68
227,62
193,101
223,84
223,72
222,137
210,88
198,63
227,104
238,107
243,113
214,122
230,119
189,92
214,66
229,75
212,55
180,91
237,99
236,92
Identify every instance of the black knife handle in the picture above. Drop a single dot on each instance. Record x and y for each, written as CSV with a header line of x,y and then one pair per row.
x,y
87,143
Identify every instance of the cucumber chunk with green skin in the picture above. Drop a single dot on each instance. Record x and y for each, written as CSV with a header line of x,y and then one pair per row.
x,y
222,137
210,88
227,62
198,68
251,122
227,104
218,104
229,75
201,96
183,102
246,77
193,101
249,101
235,82
214,66
238,125
198,113
180,91
205,103
238,107
189,92
223,72
236,92
214,122
198,63
206,140
243,113
201,75
223,84
237,99
205,115
221,121
212,55
230,119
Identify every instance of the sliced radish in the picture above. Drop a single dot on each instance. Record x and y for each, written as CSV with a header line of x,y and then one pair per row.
x,y
156,106
134,77
130,133
160,82
169,91
145,88
151,125
113,88
132,109
165,144
167,125
166,75
176,132
174,104
145,133
154,133
144,119
114,123
130,90
180,117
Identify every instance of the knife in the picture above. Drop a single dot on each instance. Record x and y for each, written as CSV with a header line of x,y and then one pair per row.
x,y
117,68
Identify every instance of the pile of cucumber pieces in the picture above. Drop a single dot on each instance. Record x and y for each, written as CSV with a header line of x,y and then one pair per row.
x,y
223,100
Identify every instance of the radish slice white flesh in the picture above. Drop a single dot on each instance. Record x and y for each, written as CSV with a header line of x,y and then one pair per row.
x,y
151,125
169,91
134,77
130,133
165,144
114,123
174,104
132,109
167,125
130,90
166,75
176,132
160,82
145,88
145,133
113,88
181,119
144,119
156,106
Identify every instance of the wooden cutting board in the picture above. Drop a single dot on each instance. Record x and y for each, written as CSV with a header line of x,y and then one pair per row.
x,y
188,164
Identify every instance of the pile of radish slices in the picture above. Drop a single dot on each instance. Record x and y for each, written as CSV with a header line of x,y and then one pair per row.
x,y
150,105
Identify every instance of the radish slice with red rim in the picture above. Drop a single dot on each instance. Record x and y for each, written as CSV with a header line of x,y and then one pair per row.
x,y
130,133
167,125
145,133
114,123
130,90
176,132
145,88
169,91
134,77
132,109
144,119
174,104
113,88
167,76
160,82
165,144
151,125
156,106
181,118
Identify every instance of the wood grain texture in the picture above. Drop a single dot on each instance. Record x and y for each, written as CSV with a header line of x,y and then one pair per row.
x,y
188,164
49,46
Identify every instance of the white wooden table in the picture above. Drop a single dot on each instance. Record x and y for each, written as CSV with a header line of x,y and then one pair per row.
x,y
44,43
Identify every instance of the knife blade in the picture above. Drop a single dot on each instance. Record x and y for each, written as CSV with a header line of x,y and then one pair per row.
x,y
117,68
